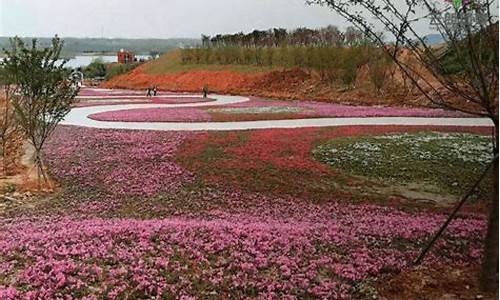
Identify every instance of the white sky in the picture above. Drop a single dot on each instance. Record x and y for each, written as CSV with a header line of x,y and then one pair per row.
x,y
156,18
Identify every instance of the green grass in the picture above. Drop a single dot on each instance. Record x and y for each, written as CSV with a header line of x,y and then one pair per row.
x,y
170,63
434,162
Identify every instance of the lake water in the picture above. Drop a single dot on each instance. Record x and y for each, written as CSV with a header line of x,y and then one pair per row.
x,y
85,60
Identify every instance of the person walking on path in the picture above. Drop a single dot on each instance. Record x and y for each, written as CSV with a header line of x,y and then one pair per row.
x,y
155,90
148,94
205,91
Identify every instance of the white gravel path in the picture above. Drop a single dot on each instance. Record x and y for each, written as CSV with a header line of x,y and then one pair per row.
x,y
79,117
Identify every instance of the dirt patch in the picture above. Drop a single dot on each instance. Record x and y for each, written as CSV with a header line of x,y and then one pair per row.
x,y
25,178
444,283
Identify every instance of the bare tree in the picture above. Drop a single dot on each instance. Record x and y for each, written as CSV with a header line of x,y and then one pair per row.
x,y
205,41
41,93
470,33
279,37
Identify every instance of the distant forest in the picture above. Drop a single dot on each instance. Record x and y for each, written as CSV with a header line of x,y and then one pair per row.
x,y
275,37
74,46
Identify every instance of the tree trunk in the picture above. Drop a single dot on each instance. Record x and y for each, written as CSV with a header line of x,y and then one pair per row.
x,y
4,156
40,169
489,278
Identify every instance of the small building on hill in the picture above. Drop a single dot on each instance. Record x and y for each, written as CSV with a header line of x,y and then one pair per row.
x,y
125,57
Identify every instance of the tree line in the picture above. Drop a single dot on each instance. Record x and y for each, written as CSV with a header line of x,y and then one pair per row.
x,y
279,37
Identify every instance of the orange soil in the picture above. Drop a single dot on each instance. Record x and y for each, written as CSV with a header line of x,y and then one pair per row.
x,y
10,161
220,81
16,166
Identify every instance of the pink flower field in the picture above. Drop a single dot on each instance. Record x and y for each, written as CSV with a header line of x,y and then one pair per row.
x,y
115,92
162,100
129,163
258,109
225,256
104,92
155,115
130,222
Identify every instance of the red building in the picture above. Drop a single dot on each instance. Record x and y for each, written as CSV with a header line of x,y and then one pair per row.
x,y
125,57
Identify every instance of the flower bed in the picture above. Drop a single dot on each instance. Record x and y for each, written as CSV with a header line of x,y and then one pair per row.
x,y
105,92
320,109
162,100
257,109
154,115
210,241
270,161
118,161
231,256
93,92
437,162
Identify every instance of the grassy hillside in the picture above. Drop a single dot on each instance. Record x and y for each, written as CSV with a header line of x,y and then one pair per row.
x,y
348,82
169,73
170,63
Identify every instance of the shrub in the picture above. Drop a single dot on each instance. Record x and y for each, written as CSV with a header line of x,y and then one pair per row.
x,y
97,68
114,70
379,68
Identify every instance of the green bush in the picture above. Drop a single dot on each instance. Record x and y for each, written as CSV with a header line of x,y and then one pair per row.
x,y
97,68
119,69
379,68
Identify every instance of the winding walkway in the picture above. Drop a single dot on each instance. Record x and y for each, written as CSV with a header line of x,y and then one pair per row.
x,y
79,117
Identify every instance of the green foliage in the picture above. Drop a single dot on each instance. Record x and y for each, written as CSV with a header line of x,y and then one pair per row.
x,y
3,76
97,68
379,68
119,69
41,93
456,61
9,187
348,69
454,58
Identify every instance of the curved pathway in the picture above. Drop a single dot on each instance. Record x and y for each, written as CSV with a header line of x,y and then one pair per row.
x,y
79,117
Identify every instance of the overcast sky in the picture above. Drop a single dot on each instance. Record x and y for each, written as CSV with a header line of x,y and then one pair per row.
x,y
155,18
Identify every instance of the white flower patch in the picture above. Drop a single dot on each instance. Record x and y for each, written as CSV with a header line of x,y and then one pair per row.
x,y
422,146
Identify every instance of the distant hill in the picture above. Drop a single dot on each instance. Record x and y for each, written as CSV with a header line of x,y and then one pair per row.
x,y
434,39
75,46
